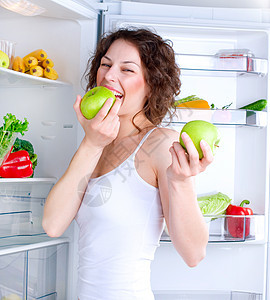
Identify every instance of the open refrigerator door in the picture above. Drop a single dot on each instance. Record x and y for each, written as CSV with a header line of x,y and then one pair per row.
x,y
32,265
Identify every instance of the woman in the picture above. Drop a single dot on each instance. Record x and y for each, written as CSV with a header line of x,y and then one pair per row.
x,y
128,174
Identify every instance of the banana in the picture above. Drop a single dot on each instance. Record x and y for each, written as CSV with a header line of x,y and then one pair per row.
x,y
47,63
30,61
50,73
18,64
37,71
38,54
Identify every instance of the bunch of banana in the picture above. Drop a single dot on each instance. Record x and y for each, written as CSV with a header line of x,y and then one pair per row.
x,y
37,64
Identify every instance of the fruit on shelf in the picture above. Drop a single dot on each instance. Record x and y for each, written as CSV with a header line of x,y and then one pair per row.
x,y
192,102
201,130
37,64
37,71
38,54
94,99
47,63
30,61
50,73
18,64
4,60
258,105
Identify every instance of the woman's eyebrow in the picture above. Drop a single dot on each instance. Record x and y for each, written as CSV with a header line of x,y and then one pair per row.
x,y
123,62
106,57
130,62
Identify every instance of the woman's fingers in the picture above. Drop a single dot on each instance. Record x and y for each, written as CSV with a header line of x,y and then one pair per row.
x,y
114,109
108,109
208,156
192,152
77,108
181,157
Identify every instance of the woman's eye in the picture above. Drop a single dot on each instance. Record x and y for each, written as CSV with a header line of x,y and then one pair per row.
x,y
128,70
105,65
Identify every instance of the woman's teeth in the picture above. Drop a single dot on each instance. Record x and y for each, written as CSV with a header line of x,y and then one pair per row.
x,y
117,95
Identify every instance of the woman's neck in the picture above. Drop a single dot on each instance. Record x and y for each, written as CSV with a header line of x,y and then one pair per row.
x,y
127,128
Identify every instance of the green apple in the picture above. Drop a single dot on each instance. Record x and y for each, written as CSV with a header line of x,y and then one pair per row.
x,y
4,60
94,99
201,130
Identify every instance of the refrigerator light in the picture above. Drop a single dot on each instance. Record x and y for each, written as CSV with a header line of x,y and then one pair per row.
x,y
23,7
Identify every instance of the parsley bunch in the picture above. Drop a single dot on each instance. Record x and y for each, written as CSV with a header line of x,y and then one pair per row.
x,y
11,124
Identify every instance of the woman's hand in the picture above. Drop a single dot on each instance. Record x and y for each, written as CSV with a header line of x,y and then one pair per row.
x,y
104,127
185,165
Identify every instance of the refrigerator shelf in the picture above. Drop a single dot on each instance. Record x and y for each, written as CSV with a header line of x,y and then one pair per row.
x,y
238,117
25,189
231,228
26,243
19,223
207,295
35,273
235,64
13,78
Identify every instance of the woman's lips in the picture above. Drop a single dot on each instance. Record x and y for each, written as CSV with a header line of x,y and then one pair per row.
x,y
116,93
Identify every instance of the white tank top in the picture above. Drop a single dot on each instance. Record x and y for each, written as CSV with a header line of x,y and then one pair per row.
x,y
120,221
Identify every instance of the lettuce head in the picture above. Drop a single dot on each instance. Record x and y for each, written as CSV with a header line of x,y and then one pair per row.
x,y
214,204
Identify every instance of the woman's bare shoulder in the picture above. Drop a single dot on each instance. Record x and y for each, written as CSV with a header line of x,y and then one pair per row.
x,y
160,140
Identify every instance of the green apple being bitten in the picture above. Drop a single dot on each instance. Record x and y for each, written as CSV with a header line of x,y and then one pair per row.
x,y
201,130
94,99
4,60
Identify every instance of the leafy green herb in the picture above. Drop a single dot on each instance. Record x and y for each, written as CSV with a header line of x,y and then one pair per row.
x,y
10,126
212,106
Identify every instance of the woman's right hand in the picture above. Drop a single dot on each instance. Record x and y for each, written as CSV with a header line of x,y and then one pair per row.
x,y
104,127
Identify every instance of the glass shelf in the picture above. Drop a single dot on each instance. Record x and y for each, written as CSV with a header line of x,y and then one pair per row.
x,y
242,117
21,206
239,64
25,189
19,223
24,243
9,77
35,272
227,228
207,295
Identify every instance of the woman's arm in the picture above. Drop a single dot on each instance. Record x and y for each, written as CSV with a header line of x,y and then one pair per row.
x,y
176,179
65,197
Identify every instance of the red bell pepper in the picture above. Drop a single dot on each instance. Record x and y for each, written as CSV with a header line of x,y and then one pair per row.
x,y
239,227
17,165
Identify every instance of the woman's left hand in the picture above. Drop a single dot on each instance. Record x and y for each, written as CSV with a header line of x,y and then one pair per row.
x,y
187,164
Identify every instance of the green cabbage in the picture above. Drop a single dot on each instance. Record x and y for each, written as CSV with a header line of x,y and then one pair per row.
x,y
214,204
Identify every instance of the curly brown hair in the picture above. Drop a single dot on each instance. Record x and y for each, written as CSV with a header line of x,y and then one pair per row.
x,y
161,71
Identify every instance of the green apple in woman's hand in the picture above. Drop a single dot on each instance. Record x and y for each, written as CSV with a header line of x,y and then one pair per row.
x,y
201,130
94,99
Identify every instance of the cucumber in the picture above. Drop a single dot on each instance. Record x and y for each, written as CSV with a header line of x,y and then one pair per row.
x,y
257,105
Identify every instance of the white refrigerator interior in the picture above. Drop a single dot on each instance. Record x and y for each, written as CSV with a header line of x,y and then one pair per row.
x,y
34,266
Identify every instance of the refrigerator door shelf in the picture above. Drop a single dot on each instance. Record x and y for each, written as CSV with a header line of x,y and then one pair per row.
x,y
241,117
19,223
231,228
206,295
20,244
37,273
13,78
21,206
25,189
235,64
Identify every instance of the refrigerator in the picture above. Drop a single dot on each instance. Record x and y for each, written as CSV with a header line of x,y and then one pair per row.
x,y
223,53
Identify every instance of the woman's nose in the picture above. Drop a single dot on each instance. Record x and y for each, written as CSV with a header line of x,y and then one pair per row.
x,y
111,74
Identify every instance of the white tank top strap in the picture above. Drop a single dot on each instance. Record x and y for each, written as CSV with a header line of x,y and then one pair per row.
x,y
143,140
